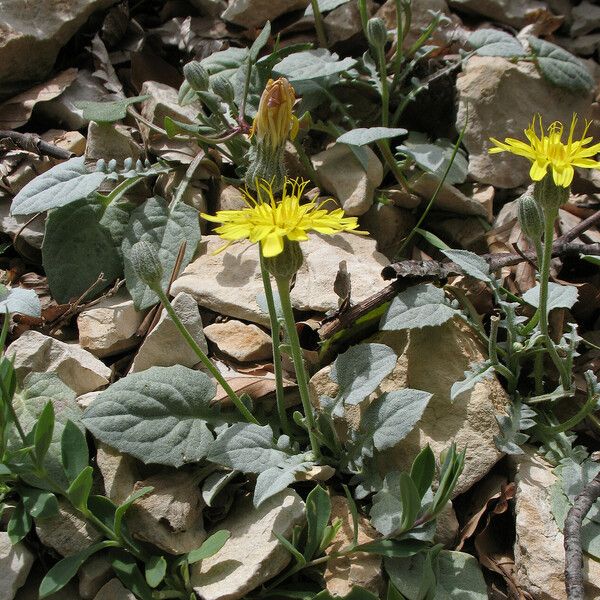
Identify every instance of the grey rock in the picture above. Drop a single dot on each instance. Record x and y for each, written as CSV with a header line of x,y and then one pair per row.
x,y
119,471
255,13
586,18
15,564
166,335
93,574
252,555
109,140
244,343
35,352
389,225
114,590
510,12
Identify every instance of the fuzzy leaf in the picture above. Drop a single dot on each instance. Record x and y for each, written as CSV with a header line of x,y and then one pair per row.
x,y
476,373
362,136
559,296
312,64
19,300
107,112
472,264
59,186
492,42
160,415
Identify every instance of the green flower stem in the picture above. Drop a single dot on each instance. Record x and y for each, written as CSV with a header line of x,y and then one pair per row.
x,y
283,287
275,335
319,24
390,161
385,90
203,358
550,214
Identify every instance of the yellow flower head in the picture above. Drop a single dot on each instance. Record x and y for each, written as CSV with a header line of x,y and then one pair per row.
x,y
270,222
274,121
548,150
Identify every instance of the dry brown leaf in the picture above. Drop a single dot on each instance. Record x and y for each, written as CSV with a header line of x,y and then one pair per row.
x,y
256,387
15,112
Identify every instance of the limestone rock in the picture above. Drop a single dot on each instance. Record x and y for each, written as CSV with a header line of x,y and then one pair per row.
x,y
469,421
15,564
343,176
114,590
170,517
362,569
539,547
119,472
109,327
252,555
93,574
255,13
245,343
35,352
510,12
502,98
66,532
586,18
230,282
447,527
389,225
108,141
343,22
85,400
166,335
32,33
230,198
32,234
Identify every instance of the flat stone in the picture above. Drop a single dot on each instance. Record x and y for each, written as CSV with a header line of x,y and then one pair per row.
x,y
32,33
120,472
111,140
109,327
586,18
67,533
114,590
170,517
539,546
229,282
359,569
35,352
252,555
255,13
469,421
501,99
343,22
341,174
93,574
510,12
389,225
15,564
245,343
33,233
166,335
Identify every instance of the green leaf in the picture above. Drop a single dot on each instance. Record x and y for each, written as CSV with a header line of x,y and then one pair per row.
x,y
164,228
423,305
318,511
19,524
126,505
64,570
356,593
362,136
59,186
394,548
519,417
471,264
559,296
160,415
386,510
434,157
259,42
290,548
411,501
210,546
359,371
39,503
392,416
560,67
43,431
156,569
433,239
79,490
473,375
107,112
422,471
492,42
312,64
77,249
125,566
459,577
19,300
273,480
595,260
74,451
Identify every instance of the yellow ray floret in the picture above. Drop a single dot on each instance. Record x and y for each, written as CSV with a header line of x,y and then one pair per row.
x,y
270,221
548,150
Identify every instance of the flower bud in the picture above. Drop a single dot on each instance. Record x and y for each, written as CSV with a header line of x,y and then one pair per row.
x,y
376,32
196,75
549,195
531,217
146,264
222,87
285,264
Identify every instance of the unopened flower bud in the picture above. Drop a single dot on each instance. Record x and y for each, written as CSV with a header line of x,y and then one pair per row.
x,y
222,87
146,264
531,217
376,32
196,75
285,264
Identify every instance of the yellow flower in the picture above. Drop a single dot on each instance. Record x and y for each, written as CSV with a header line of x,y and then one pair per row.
x,y
548,150
270,222
274,121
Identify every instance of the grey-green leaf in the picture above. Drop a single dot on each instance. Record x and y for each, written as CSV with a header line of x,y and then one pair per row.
x,y
492,42
164,228
107,112
476,373
19,300
559,296
359,371
312,64
361,136
423,305
160,415
59,186
560,67
470,263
